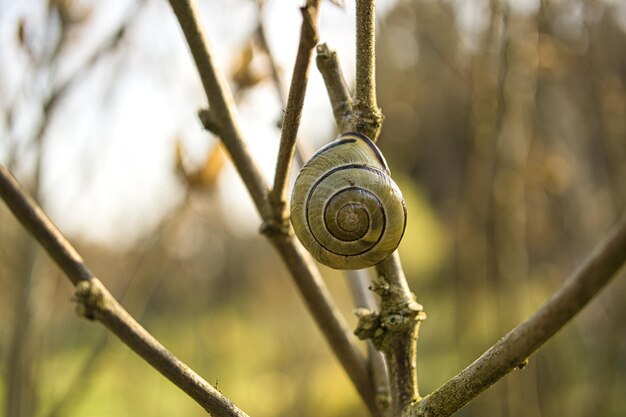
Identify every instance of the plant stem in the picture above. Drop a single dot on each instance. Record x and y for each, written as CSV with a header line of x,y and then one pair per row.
x,y
293,111
222,105
367,116
328,317
340,99
399,320
95,302
297,260
359,282
394,330
515,347
41,227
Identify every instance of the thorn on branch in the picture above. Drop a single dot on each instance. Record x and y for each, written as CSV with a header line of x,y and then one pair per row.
x,y
209,121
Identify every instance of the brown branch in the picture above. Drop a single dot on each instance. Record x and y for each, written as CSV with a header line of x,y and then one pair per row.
x,y
328,317
41,227
515,347
301,151
221,105
22,353
394,331
340,99
144,293
95,302
367,116
297,260
293,111
359,282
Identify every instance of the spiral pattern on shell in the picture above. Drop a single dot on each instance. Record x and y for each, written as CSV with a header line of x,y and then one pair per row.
x,y
345,208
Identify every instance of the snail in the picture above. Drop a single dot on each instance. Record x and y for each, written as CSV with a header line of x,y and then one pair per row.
x,y
345,208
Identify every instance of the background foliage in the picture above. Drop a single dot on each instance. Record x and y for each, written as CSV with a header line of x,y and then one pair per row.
x,y
505,127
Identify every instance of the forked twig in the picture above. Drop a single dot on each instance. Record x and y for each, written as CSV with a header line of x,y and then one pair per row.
x,y
297,260
222,105
395,328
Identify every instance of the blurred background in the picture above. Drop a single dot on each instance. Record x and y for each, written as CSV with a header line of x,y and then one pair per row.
x,y
505,126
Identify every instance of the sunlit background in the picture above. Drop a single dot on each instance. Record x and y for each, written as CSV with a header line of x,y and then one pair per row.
x,y
505,127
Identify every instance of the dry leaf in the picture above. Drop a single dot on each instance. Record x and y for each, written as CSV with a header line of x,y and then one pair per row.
x,y
207,175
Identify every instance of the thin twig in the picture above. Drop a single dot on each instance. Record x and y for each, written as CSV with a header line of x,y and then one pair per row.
x,y
328,317
515,347
95,302
41,227
221,105
367,116
301,151
340,99
109,45
293,111
81,382
359,282
21,387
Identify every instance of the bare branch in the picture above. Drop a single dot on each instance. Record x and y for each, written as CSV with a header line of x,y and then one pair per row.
x,y
221,105
301,151
515,347
340,99
359,282
41,227
298,261
394,331
109,45
95,302
293,111
367,116
327,316
143,293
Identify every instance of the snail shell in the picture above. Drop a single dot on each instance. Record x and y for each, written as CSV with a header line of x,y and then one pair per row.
x,y
345,208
